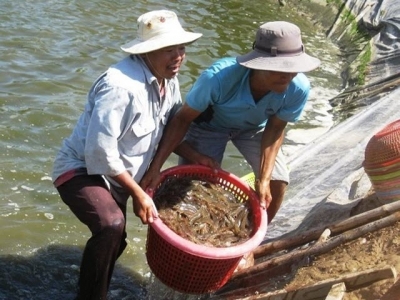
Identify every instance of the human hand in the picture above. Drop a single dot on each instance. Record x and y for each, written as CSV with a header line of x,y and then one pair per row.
x,y
150,181
264,193
145,209
207,161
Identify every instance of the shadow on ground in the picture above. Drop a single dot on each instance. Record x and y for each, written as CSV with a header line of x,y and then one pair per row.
x,y
52,273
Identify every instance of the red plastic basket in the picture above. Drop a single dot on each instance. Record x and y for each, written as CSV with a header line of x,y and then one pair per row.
x,y
197,269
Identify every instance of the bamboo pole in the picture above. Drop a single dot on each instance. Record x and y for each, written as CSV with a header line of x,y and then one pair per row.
x,y
247,280
336,228
319,290
336,292
318,248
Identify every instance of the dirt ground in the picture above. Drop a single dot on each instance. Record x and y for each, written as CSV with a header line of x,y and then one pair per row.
x,y
373,250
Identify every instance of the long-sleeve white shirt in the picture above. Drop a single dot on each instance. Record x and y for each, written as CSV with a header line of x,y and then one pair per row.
x,y
122,123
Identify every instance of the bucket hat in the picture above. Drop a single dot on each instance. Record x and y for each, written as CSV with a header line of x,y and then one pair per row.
x,y
158,29
278,47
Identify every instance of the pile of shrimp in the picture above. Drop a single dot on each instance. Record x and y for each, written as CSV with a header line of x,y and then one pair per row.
x,y
203,212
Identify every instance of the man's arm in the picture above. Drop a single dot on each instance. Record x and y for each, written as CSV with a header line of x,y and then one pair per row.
x,y
173,134
186,151
272,140
143,205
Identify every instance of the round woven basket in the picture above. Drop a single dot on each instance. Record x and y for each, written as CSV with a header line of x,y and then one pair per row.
x,y
382,162
197,269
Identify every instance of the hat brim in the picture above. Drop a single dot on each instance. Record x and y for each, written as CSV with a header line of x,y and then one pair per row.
x,y
289,64
138,46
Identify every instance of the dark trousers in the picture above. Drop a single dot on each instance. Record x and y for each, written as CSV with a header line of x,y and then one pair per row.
x,y
90,200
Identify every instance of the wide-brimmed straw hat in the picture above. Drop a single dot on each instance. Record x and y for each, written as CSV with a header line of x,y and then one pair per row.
x,y
278,47
159,29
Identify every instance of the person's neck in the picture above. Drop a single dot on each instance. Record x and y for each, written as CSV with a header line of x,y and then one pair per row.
x,y
258,87
153,70
161,86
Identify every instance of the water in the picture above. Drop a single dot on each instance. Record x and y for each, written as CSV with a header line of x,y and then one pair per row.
x,y
50,53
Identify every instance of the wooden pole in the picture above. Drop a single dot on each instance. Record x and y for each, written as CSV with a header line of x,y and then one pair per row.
x,y
336,228
318,248
322,289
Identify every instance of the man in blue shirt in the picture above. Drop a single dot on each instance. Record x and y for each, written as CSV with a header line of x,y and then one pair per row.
x,y
248,101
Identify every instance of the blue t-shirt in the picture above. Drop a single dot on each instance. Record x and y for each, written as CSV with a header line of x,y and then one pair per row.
x,y
222,93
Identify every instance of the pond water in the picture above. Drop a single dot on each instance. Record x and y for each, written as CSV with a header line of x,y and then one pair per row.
x,y
51,52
